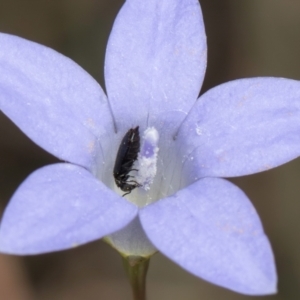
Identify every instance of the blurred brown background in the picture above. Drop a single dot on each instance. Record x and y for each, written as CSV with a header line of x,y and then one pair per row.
x,y
245,38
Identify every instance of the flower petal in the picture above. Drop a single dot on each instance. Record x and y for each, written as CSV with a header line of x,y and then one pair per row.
x,y
242,127
53,101
211,229
131,240
155,59
59,207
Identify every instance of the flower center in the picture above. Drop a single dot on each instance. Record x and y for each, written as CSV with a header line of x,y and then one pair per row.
x,y
142,166
136,165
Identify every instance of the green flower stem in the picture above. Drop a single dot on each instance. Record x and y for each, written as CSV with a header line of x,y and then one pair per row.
x,y
136,268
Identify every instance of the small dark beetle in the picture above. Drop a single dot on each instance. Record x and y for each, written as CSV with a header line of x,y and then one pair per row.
x,y
127,155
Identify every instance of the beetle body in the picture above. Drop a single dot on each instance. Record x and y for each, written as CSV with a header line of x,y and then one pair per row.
x,y
126,156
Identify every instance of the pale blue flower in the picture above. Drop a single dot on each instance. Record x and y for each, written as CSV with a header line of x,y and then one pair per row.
x,y
154,68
